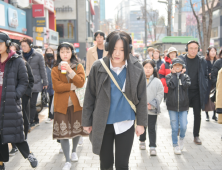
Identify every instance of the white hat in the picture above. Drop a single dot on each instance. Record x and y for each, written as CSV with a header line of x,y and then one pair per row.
x,y
172,49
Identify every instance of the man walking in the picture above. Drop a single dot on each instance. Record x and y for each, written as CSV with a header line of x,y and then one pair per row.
x,y
196,68
37,64
96,52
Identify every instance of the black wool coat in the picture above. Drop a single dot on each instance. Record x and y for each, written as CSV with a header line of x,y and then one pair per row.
x,y
202,77
15,82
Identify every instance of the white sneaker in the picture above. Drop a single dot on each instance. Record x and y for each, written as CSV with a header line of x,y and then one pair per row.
x,y
67,166
60,150
74,157
48,120
81,140
181,143
177,150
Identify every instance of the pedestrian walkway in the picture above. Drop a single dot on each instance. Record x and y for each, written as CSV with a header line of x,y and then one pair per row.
x,y
206,156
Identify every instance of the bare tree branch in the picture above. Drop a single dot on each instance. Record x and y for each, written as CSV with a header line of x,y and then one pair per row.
x,y
198,22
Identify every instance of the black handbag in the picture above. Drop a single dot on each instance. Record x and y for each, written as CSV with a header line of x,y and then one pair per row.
x,y
44,97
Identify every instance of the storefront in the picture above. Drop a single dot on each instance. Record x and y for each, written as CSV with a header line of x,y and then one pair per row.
x,y
13,22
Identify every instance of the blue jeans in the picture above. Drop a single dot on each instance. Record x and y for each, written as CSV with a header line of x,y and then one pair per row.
x,y
178,120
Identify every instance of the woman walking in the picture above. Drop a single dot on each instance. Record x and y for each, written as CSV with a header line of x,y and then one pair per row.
x,y
49,62
67,110
210,106
108,115
155,93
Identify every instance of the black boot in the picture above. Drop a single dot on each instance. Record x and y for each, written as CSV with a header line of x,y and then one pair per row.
x,y
207,117
214,116
2,167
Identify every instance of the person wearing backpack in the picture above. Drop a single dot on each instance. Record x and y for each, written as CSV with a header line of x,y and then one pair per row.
x,y
177,102
115,97
155,93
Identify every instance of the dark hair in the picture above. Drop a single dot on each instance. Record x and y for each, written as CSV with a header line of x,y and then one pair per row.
x,y
28,41
152,63
17,48
67,46
207,57
99,33
220,54
13,44
114,37
47,61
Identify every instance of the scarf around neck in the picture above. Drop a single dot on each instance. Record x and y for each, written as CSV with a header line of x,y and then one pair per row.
x,y
27,55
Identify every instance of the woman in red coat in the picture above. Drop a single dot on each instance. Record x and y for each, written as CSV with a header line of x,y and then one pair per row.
x,y
165,68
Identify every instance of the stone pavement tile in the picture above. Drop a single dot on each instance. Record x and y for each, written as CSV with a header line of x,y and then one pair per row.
x,y
202,167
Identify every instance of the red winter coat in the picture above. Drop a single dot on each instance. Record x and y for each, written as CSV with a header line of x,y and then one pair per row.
x,y
164,71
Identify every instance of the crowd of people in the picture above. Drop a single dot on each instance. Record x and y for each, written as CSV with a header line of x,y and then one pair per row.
x,y
122,96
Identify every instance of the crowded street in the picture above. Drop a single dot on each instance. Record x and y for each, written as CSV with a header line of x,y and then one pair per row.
x,y
111,84
207,156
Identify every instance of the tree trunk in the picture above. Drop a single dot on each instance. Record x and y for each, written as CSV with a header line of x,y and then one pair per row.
x,y
198,23
210,14
204,26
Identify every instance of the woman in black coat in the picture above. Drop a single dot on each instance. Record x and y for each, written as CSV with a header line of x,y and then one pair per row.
x,y
25,98
209,105
215,69
13,85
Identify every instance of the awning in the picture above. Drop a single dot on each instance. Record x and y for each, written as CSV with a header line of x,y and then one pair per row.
x,y
15,35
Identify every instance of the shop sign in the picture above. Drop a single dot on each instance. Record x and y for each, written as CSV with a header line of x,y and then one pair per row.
x,y
65,9
49,4
39,22
9,18
76,45
53,37
38,10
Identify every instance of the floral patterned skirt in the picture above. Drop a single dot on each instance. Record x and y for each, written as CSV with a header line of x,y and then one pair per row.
x,y
68,126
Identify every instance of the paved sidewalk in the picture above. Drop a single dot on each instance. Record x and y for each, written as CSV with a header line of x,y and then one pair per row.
x,y
206,156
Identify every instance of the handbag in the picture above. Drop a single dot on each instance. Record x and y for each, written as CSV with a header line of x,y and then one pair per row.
x,y
44,97
117,85
80,93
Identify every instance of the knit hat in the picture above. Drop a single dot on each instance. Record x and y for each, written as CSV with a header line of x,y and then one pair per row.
x,y
178,61
171,49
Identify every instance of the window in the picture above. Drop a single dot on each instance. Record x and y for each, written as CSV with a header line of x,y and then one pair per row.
x,y
65,29
216,13
214,32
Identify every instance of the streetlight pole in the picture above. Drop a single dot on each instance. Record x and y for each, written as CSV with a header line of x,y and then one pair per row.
x,y
145,27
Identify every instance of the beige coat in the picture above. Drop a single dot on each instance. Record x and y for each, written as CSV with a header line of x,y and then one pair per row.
x,y
91,57
219,90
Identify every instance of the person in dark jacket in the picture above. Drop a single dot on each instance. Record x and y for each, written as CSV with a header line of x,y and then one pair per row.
x,y
107,115
165,68
157,59
25,98
177,102
13,84
49,62
37,63
211,59
196,68
215,69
